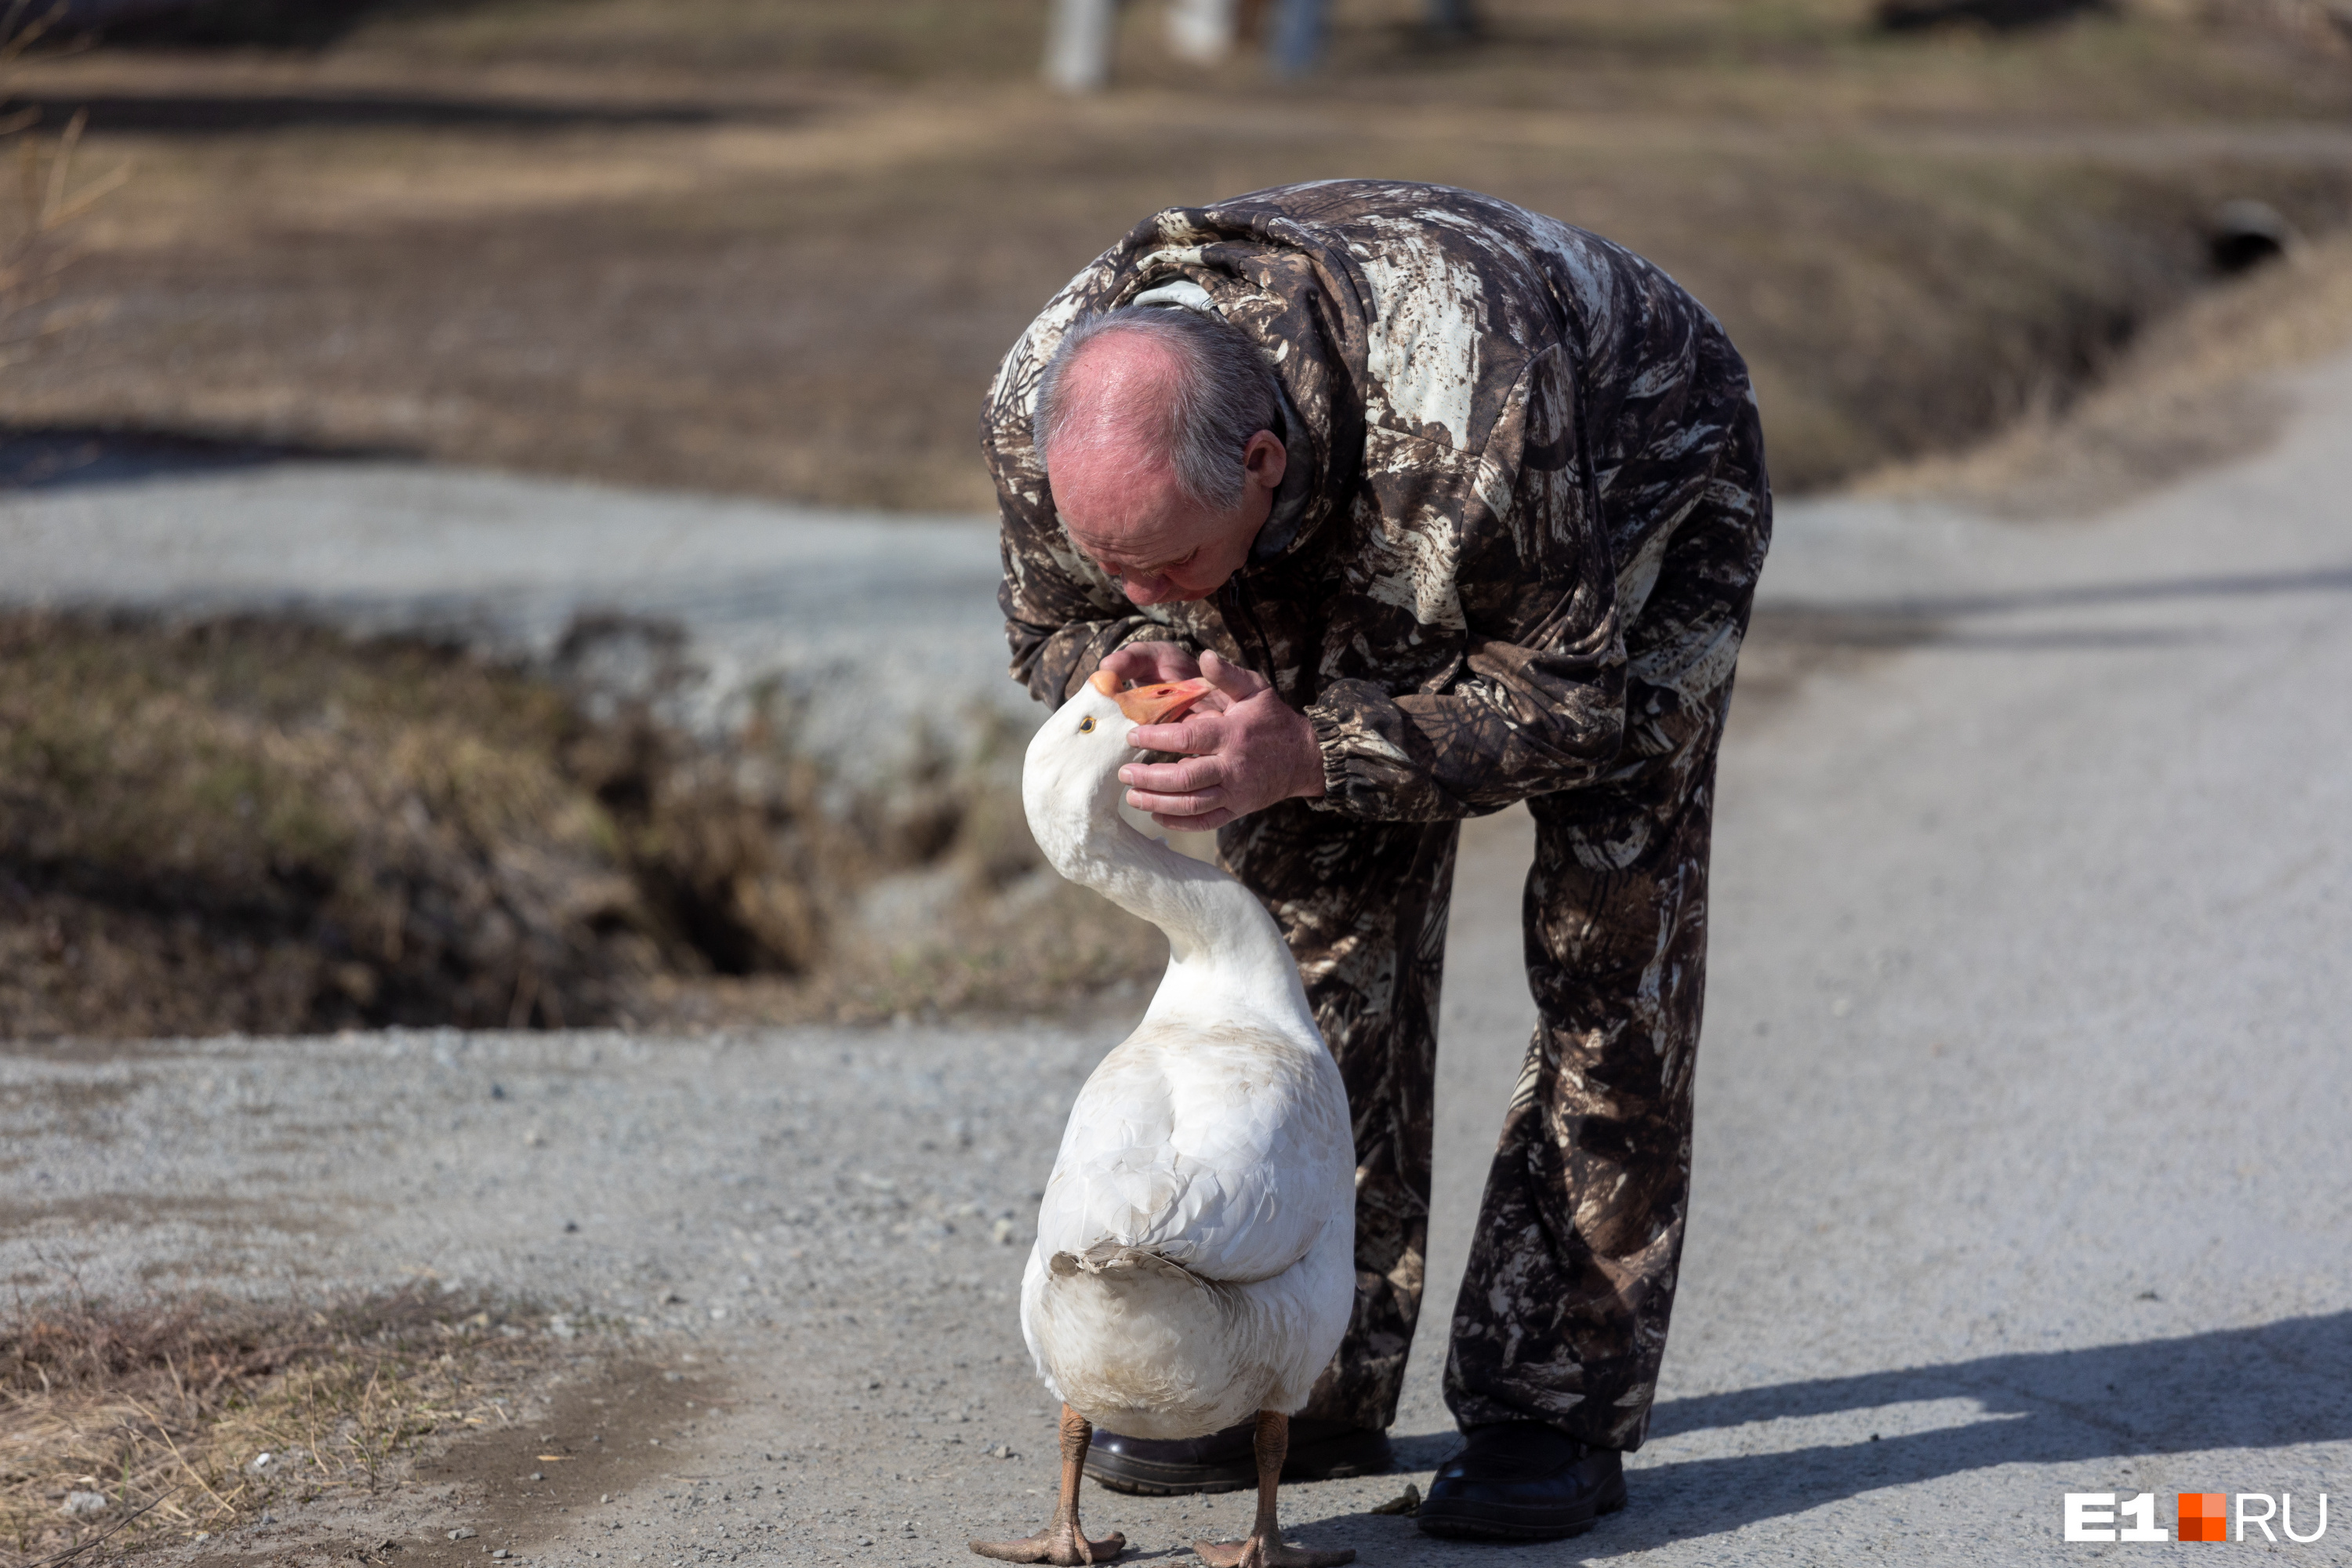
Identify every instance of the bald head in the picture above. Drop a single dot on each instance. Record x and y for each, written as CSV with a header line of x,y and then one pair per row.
x,y
1155,425
1118,398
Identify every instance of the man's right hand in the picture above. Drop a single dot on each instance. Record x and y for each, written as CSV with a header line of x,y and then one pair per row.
x,y
1149,663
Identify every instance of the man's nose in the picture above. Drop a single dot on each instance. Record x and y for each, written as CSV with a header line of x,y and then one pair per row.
x,y
1145,590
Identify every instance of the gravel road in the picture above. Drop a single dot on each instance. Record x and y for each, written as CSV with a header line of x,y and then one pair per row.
x,y
2023,1162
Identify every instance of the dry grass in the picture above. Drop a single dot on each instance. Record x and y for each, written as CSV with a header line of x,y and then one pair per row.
x,y
2198,388
46,199
794,274
261,826
255,827
165,1414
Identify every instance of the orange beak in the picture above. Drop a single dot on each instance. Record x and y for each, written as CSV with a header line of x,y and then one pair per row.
x,y
1161,704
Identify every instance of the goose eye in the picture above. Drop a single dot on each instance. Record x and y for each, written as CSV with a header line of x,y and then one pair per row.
x,y
1085,725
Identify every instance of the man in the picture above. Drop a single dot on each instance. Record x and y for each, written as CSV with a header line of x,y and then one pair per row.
x,y
1456,506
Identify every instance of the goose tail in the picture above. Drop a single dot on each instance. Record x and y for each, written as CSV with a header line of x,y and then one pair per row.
x,y
1114,1262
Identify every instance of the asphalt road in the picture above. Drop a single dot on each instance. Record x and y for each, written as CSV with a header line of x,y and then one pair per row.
x,y
2025,1158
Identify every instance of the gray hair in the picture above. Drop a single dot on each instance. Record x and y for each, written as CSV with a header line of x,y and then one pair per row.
x,y
1225,393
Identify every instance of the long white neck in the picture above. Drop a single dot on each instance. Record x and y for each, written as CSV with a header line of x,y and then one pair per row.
x,y
1225,956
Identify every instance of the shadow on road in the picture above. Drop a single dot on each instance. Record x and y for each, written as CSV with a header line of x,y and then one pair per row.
x,y
214,115
1902,622
2276,1386
47,457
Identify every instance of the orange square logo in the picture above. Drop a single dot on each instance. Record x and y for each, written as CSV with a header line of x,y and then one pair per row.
x,y
2204,1516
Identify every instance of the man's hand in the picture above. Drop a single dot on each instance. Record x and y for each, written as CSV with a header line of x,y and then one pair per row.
x,y
1243,748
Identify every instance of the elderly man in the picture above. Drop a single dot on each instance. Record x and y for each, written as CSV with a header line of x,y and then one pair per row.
x,y
1456,506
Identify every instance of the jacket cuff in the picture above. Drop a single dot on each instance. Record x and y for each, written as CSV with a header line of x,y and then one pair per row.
x,y
1344,788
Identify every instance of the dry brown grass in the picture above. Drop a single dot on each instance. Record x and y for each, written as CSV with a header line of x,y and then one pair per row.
x,y
804,291
164,1412
257,827
2198,388
262,827
48,196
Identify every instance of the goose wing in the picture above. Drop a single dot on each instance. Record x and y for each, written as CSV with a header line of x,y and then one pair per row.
x,y
1224,1151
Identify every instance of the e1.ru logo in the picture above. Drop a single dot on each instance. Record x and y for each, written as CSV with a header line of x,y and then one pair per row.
x,y
2202,1516
2205,1516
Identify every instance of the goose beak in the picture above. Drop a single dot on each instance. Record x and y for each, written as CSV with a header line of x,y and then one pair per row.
x,y
1161,704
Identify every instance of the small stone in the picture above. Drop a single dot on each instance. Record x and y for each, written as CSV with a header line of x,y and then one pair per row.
x,y
81,1505
461,1533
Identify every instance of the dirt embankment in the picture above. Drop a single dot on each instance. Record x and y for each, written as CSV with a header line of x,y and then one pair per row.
x,y
263,826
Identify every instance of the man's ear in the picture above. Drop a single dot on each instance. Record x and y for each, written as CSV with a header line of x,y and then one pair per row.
x,y
1266,459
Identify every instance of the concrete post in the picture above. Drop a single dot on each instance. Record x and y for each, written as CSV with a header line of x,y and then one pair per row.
x,y
1079,44
1200,31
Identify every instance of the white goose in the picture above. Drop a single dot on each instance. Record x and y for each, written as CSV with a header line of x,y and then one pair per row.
x,y
1195,1251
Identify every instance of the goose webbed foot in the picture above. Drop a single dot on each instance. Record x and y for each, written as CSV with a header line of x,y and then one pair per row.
x,y
1266,1548
1061,1542
1061,1545
1268,1552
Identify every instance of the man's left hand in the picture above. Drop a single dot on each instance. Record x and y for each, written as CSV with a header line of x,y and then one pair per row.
x,y
1243,750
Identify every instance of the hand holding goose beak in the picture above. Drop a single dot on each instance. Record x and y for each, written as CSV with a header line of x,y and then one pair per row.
x,y
1242,749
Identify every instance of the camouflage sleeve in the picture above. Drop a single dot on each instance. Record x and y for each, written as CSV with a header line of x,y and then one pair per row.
x,y
1538,702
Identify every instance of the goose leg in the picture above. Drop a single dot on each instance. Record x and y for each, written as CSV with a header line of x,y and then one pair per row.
x,y
1061,1543
1264,1547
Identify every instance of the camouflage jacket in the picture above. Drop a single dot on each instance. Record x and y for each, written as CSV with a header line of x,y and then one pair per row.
x,y
1495,424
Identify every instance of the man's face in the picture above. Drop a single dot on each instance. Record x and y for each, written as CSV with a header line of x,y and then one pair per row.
x,y
1137,525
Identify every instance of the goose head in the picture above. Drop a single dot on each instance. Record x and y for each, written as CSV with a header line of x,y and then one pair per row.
x,y
1069,782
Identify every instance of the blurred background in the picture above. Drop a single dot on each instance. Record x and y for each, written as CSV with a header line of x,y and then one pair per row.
x,y
772,250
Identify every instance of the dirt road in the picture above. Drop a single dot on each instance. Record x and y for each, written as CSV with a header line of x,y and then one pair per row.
x,y
2022,1165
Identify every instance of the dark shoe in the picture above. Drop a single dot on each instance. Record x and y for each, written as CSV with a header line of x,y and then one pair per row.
x,y
1522,1481
1226,1461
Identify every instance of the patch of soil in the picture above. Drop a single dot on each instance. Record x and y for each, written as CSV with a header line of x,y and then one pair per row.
x,y
585,1438
181,1419
598,1438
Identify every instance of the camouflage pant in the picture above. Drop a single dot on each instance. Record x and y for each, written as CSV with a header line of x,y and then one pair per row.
x,y
1562,1314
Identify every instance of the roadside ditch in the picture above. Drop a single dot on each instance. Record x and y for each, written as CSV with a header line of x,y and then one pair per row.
x,y
261,826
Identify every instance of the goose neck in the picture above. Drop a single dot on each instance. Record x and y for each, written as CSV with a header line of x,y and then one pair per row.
x,y
1225,954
